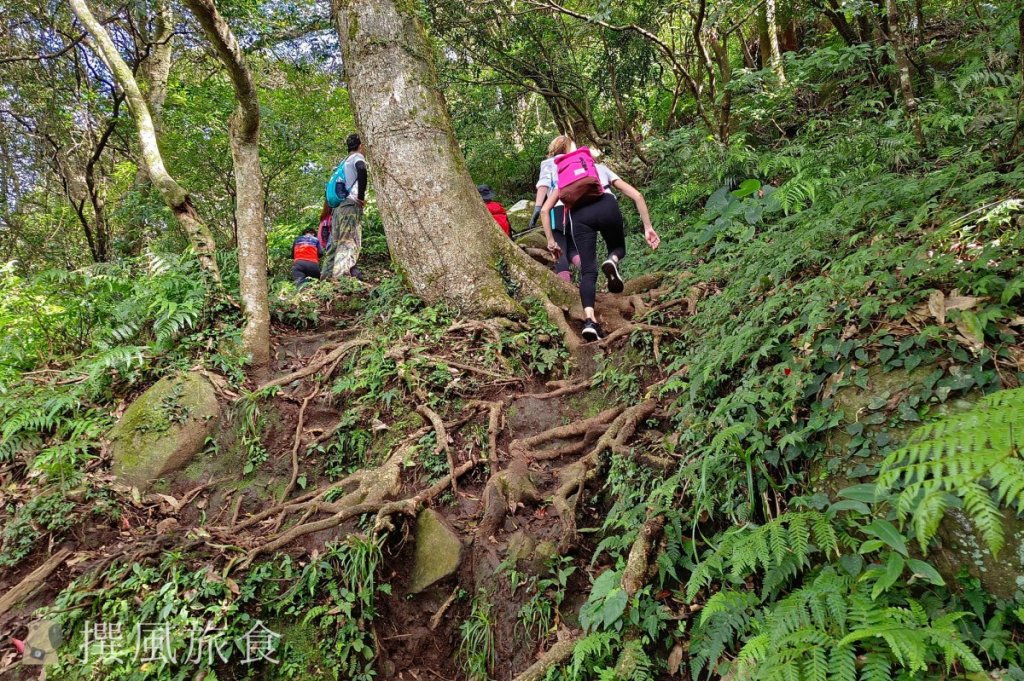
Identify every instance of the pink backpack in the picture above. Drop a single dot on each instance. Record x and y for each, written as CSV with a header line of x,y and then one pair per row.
x,y
578,181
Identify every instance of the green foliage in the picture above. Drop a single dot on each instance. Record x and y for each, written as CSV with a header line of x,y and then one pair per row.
x,y
330,600
38,517
780,548
252,425
816,632
477,653
539,348
538,614
971,459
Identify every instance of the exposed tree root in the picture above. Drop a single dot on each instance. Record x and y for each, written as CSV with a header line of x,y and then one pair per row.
x,y
32,581
435,620
411,506
637,571
527,447
313,367
442,439
505,491
493,425
643,283
573,477
556,655
298,441
630,328
562,388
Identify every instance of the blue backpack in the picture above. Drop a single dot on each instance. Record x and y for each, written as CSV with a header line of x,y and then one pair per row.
x,y
337,186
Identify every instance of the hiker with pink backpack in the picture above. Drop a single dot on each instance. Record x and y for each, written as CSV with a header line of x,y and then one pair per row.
x,y
546,182
585,187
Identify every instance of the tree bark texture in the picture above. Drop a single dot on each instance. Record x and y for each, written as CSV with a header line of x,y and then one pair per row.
x,y
173,195
774,52
906,85
245,153
441,236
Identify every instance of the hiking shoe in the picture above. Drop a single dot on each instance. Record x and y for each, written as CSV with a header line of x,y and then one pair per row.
x,y
591,331
611,270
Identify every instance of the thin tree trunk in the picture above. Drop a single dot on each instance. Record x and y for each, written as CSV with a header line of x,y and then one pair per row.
x,y
774,52
1015,140
906,85
764,49
721,50
245,152
170,191
440,234
157,67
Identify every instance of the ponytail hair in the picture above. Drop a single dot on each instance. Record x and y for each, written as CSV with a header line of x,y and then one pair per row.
x,y
560,145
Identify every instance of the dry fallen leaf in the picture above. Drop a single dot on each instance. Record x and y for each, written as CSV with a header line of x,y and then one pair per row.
x,y
937,306
962,302
675,658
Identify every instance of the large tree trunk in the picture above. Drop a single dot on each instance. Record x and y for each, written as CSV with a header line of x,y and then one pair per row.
x,y
440,234
245,152
171,192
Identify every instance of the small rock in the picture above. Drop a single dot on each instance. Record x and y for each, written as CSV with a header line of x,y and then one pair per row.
x,y
438,551
166,525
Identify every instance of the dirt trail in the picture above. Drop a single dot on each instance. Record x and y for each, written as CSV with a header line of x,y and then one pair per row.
x,y
523,455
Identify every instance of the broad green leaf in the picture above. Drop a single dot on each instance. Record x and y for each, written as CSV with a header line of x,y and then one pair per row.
x,y
888,533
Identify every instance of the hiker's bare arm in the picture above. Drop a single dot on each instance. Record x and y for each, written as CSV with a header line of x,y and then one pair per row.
x,y
641,206
542,193
545,220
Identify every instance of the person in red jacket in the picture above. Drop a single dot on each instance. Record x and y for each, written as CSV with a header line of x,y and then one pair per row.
x,y
496,209
306,252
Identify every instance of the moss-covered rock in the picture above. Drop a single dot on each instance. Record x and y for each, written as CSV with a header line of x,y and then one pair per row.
x,y
438,551
163,429
851,455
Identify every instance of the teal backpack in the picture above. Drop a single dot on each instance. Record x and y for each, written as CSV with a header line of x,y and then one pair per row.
x,y
337,187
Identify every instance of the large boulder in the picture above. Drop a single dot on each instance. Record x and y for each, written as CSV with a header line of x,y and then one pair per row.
x,y
163,429
438,551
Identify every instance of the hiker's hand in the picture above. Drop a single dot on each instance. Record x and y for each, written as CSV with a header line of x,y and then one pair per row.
x,y
554,249
652,237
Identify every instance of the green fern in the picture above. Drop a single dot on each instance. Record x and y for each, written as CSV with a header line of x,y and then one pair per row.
x,y
974,457
818,631
780,547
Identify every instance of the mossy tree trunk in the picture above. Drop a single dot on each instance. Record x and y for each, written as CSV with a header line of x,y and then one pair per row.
x,y
173,195
245,153
440,234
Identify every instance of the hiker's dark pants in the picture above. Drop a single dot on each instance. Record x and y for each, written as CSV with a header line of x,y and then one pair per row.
x,y
585,223
561,233
304,270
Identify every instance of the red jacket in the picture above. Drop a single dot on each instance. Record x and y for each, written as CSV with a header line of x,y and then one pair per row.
x,y
498,213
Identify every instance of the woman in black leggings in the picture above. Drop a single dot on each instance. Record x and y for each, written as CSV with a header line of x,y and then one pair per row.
x,y
583,225
546,182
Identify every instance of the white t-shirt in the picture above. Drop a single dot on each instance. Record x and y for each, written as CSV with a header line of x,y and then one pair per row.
x,y
607,176
549,176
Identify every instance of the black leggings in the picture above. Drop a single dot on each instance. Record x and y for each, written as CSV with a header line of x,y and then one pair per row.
x,y
304,270
585,223
561,234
